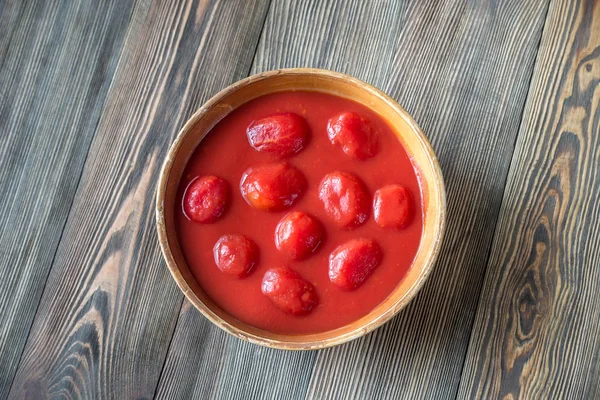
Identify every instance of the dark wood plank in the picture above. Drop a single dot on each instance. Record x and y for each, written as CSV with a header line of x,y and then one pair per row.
x,y
205,363
109,308
57,61
536,331
10,16
453,65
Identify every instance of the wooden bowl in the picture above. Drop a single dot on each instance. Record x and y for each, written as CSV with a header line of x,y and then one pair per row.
x,y
413,140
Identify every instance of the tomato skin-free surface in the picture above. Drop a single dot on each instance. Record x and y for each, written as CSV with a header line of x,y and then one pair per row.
x,y
289,291
236,255
282,134
345,199
298,235
354,134
272,187
226,153
206,199
393,207
351,263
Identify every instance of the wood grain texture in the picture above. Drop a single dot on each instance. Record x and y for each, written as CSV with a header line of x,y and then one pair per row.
x,y
453,66
206,363
536,331
108,312
56,64
11,12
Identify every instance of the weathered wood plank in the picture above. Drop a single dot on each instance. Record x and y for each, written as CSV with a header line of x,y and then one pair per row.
x,y
57,60
453,65
216,365
109,308
10,16
536,331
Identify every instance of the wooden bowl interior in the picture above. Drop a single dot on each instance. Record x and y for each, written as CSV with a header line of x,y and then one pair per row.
x,y
432,192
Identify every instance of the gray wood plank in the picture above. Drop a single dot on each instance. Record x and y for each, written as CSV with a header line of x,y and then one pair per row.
x,y
206,363
57,60
10,15
536,330
463,70
109,308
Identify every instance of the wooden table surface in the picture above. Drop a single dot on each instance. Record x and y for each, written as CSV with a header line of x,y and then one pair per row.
x,y
92,92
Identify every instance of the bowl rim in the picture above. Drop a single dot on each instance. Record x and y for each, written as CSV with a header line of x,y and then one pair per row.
x,y
431,257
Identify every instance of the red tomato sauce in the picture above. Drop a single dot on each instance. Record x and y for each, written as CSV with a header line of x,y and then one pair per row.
x,y
226,153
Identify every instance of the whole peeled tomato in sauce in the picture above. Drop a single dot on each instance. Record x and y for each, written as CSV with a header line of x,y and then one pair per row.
x,y
282,134
289,291
351,263
206,199
345,199
227,154
272,187
354,134
236,254
393,207
298,235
